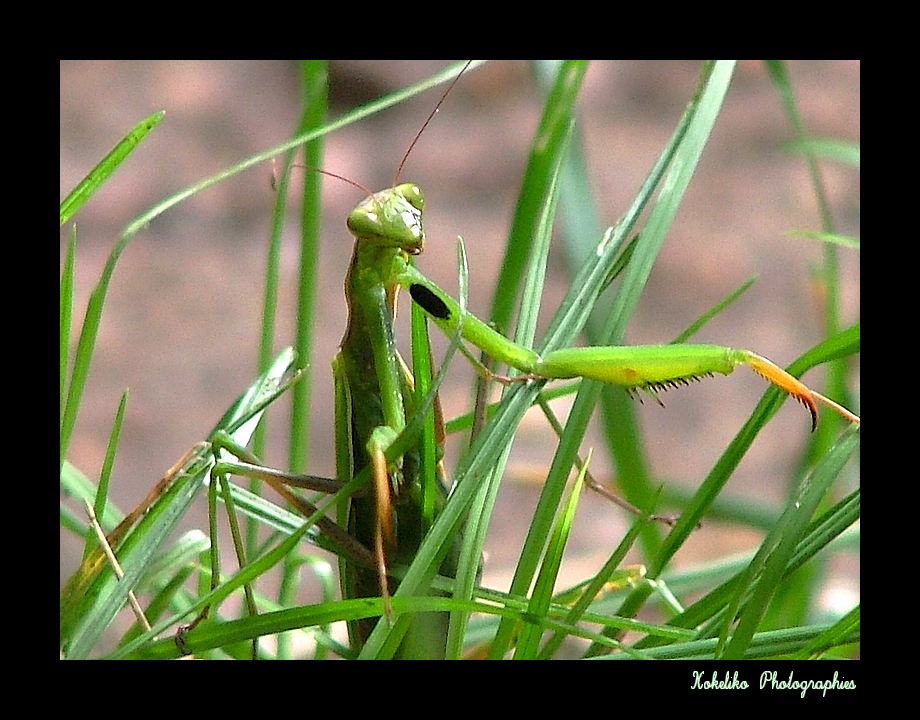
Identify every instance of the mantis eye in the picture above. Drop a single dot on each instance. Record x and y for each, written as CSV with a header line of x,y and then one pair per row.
x,y
413,195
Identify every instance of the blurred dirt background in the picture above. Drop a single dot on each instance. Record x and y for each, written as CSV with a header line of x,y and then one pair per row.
x,y
180,325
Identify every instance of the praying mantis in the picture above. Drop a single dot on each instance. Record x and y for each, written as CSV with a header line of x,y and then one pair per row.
x,y
634,369
374,387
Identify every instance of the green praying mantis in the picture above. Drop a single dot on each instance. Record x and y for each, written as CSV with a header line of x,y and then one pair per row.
x,y
382,526
375,394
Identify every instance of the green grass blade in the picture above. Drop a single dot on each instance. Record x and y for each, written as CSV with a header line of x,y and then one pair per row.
x,y
315,103
85,346
846,153
834,636
770,563
551,134
66,312
828,278
93,596
528,641
87,187
102,492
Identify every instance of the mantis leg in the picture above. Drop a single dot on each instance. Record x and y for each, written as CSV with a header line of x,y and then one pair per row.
x,y
649,368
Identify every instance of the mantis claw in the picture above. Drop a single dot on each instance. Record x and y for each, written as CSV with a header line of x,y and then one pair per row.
x,y
783,380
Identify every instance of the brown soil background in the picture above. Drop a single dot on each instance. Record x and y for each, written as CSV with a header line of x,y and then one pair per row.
x,y
180,325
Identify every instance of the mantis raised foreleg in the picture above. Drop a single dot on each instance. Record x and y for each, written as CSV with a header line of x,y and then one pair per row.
x,y
649,368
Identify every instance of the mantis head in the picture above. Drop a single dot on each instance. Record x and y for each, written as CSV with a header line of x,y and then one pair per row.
x,y
391,218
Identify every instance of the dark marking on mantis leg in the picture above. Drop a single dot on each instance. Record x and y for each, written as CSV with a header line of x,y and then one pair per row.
x,y
429,302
